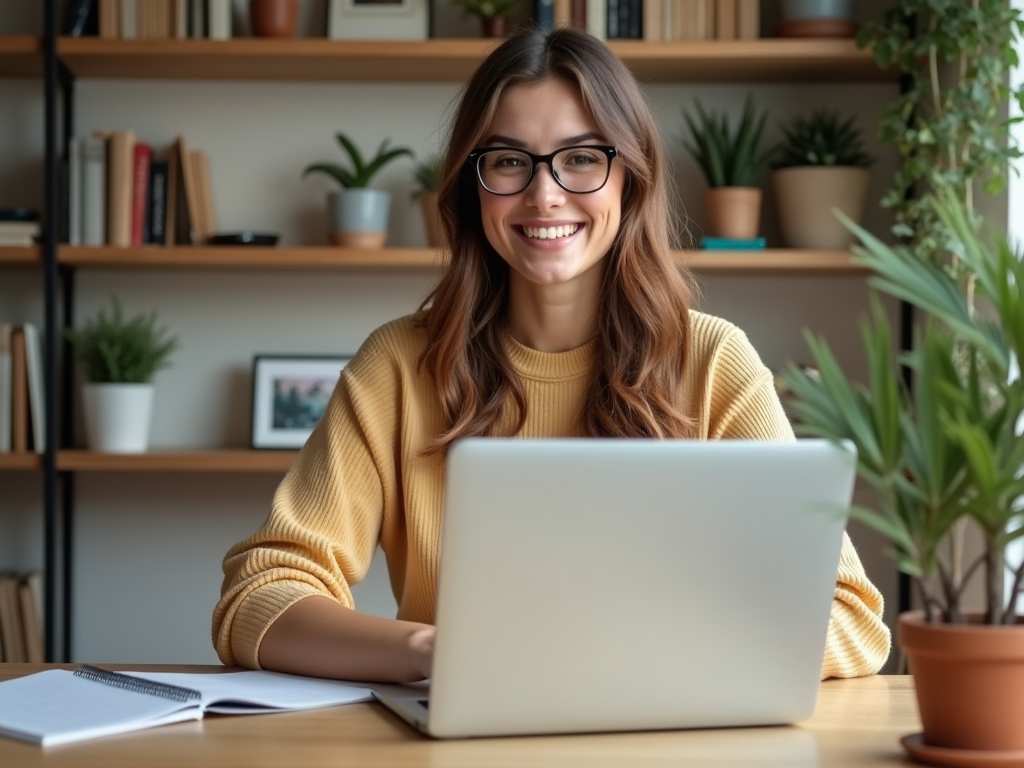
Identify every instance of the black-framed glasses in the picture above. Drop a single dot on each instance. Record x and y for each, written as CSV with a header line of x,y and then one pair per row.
x,y
579,169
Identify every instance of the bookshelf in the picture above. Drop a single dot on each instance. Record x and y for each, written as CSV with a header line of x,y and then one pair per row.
x,y
439,60
772,261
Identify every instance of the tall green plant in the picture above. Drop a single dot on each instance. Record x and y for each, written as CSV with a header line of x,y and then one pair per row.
x,y
728,159
949,126
949,450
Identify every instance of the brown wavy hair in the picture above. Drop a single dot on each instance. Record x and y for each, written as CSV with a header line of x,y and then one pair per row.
x,y
636,384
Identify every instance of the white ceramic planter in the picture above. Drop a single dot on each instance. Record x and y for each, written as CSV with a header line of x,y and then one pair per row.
x,y
117,417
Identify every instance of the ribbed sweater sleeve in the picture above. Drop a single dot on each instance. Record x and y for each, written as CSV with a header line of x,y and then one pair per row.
x,y
743,405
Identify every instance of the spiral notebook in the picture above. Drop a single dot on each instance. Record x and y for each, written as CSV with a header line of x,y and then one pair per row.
x,y
58,706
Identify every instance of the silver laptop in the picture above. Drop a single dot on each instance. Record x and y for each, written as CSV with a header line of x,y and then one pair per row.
x,y
612,585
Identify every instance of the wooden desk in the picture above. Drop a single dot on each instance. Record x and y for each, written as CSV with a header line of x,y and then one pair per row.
x,y
858,723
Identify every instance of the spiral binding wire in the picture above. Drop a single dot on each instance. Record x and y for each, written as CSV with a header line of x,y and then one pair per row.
x,y
138,684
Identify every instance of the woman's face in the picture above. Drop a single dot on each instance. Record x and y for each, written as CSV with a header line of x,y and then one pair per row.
x,y
549,236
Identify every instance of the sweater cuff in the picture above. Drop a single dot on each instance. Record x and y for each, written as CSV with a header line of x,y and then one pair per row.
x,y
257,611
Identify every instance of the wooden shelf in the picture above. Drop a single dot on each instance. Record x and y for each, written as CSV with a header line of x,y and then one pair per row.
x,y
20,461
21,56
247,257
404,259
439,60
20,256
240,460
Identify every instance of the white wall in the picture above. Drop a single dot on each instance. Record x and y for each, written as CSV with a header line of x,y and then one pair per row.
x,y
148,546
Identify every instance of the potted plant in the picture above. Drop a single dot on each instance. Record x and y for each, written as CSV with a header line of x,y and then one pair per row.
x,y
494,15
941,456
732,163
119,357
427,174
358,214
820,165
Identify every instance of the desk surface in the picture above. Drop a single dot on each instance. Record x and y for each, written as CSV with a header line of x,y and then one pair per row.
x,y
857,723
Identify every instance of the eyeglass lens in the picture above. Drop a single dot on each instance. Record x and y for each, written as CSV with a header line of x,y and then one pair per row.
x,y
577,169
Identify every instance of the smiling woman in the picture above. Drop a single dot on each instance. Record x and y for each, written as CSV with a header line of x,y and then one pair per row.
x,y
561,313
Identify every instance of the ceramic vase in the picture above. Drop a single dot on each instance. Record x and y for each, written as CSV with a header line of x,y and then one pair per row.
x,y
274,18
117,417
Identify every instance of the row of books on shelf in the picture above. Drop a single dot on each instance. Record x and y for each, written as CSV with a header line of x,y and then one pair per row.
x,y
22,419
652,20
123,192
149,19
656,20
21,618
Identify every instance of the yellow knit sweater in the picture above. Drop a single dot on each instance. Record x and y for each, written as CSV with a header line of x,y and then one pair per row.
x,y
361,481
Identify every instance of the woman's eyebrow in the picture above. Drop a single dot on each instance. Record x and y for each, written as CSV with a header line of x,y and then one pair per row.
x,y
568,141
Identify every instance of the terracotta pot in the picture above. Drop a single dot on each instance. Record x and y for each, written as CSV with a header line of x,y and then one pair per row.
x,y
733,212
805,198
431,218
969,680
494,26
274,18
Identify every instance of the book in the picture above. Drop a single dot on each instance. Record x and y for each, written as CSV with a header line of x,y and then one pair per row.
x,y
219,19
34,369
187,204
74,190
725,19
748,19
94,190
156,205
5,387
19,392
597,18
109,19
141,157
31,626
731,244
10,620
120,182
129,20
204,195
58,706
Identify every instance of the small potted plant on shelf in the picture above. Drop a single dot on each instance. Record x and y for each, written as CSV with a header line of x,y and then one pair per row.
x,y
820,165
494,15
427,174
733,163
119,357
943,456
358,214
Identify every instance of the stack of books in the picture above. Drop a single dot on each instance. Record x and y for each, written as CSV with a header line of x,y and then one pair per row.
x,y
19,226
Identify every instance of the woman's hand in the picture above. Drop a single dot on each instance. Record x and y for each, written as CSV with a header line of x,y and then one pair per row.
x,y
421,645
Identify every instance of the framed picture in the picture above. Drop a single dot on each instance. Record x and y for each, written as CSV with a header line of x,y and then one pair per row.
x,y
289,395
378,19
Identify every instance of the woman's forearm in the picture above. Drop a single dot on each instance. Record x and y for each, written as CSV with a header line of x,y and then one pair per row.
x,y
322,638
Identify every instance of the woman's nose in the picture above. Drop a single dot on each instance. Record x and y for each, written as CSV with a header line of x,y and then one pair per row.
x,y
543,190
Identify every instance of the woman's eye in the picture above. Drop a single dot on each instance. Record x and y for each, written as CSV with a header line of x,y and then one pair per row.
x,y
508,161
582,158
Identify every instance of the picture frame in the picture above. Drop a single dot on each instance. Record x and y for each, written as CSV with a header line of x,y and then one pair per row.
x,y
289,395
378,19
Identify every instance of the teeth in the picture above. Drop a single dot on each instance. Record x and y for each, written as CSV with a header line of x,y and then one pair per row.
x,y
550,233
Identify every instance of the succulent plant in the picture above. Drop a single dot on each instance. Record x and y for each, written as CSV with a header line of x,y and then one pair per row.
x,y
361,171
728,159
822,137
427,174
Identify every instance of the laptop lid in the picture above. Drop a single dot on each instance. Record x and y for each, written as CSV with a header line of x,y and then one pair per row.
x,y
612,584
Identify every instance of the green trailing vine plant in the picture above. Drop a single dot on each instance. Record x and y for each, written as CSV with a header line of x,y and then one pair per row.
x,y
949,126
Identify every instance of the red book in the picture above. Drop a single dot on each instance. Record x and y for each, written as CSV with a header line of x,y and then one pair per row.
x,y
143,156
